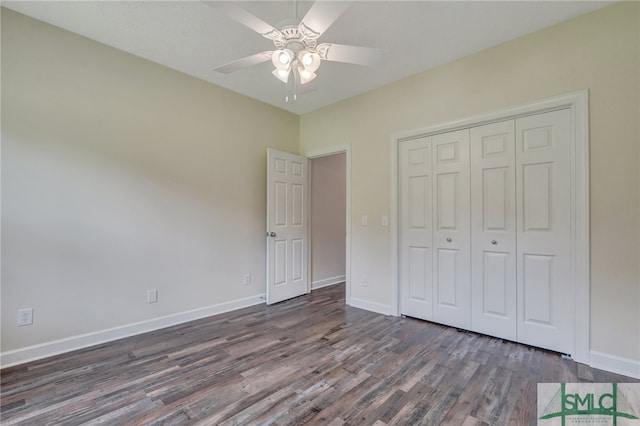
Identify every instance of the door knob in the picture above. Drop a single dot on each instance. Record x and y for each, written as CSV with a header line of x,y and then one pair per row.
x,y
448,240
494,242
272,234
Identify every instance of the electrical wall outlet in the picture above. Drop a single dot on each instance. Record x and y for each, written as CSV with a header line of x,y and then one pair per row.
x,y
247,279
364,221
25,317
364,281
152,296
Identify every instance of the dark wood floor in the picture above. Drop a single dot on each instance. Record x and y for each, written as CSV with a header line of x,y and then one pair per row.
x,y
309,360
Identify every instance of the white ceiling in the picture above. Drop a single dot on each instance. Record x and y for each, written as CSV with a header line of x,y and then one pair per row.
x,y
192,37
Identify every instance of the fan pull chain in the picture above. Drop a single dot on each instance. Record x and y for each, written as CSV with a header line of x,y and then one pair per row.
x,y
292,86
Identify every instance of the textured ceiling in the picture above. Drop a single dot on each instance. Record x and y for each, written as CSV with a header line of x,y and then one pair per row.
x,y
192,37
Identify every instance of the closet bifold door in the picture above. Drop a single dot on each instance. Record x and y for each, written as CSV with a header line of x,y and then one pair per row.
x,y
451,229
493,230
543,187
416,229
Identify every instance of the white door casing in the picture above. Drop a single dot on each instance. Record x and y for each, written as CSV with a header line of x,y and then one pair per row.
x,y
416,233
543,177
451,229
493,230
287,226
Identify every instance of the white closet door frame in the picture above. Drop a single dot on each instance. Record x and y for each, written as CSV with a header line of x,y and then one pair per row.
x,y
577,103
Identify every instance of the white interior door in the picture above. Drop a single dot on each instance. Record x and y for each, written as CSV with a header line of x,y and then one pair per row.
x,y
493,230
451,233
416,228
543,180
287,227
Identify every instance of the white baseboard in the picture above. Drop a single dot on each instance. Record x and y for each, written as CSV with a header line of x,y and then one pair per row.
x,y
327,282
56,347
614,364
379,308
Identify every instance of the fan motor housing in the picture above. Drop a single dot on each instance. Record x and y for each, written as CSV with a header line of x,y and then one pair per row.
x,y
294,40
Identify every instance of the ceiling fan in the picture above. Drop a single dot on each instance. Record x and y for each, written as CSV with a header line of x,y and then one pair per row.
x,y
297,54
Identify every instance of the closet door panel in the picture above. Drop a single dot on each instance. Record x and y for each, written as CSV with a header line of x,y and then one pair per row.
x,y
416,252
447,264
451,233
493,230
545,299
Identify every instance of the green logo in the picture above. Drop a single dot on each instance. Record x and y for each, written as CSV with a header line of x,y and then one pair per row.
x,y
586,401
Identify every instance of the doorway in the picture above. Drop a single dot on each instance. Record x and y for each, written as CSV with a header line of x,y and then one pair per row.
x,y
328,220
329,254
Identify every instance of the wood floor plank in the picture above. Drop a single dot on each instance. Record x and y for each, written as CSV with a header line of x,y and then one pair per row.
x,y
310,360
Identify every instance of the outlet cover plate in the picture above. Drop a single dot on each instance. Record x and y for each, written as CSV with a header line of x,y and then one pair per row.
x,y
25,317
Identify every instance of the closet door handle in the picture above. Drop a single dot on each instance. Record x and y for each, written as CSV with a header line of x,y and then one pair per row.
x,y
494,242
448,240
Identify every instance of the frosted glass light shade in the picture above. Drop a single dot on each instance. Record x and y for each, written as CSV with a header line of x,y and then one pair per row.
x,y
282,75
310,60
305,75
282,58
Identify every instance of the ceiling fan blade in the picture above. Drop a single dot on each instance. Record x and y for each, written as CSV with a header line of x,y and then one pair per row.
x,y
247,19
350,54
244,62
320,17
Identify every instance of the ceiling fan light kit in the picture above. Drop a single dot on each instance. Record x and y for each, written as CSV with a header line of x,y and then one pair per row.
x,y
306,61
296,51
